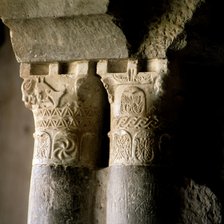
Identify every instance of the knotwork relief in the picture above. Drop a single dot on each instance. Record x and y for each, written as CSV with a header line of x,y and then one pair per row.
x,y
143,146
128,149
121,147
135,122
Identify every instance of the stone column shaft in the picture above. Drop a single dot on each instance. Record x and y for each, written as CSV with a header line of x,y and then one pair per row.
x,y
66,101
133,95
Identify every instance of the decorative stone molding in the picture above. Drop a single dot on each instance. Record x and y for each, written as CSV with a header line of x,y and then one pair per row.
x,y
66,100
132,95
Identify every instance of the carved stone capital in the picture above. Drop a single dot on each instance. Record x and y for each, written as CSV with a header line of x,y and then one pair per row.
x,y
66,100
132,93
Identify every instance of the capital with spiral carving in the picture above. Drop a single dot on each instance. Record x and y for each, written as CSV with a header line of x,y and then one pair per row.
x,y
67,116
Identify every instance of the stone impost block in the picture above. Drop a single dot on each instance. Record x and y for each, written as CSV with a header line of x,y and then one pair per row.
x,y
66,39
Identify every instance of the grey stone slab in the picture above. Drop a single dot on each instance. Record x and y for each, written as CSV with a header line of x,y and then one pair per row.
x,y
65,39
51,8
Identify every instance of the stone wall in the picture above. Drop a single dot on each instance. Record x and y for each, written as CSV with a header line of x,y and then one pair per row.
x,y
16,129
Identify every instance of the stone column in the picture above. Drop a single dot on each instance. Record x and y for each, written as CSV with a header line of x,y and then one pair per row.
x,y
133,89
63,103
66,100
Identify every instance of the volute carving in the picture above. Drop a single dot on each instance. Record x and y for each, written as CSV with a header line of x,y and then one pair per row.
x,y
132,95
66,100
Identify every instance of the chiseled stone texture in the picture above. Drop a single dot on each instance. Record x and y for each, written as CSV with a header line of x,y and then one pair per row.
x,y
51,8
130,195
60,195
199,205
100,196
167,28
140,194
66,39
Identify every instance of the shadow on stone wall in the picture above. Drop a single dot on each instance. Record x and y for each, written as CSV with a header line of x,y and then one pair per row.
x,y
16,128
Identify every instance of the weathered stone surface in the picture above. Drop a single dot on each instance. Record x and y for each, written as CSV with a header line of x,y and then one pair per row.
x,y
130,196
199,204
66,39
53,8
162,33
100,196
59,195
140,194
